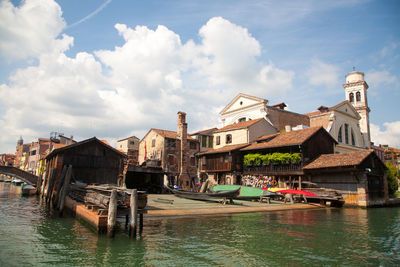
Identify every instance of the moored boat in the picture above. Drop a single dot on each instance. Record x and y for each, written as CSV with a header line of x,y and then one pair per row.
x,y
222,195
246,192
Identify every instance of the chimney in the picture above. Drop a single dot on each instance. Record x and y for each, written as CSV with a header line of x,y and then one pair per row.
x,y
288,128
183,150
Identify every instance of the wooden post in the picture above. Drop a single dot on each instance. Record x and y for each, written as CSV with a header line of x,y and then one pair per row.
x,y
112,214
56,199
299,182
64,188
134,208
140,223
43,183
50,185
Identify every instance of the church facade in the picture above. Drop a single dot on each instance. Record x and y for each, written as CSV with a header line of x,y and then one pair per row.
x,y
348,121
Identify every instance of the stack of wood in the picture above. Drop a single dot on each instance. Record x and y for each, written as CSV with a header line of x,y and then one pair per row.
x,y
99,195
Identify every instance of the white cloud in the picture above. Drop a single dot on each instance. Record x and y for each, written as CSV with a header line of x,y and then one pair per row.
x,y
231,60
378,79
132,88
30,29
390,136
323,74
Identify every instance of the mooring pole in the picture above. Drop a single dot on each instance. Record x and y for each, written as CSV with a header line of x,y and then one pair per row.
x,y
134,213
112,213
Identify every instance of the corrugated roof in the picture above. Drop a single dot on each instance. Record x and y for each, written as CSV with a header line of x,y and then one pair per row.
x,y
223,149
239,125
339,160
284,139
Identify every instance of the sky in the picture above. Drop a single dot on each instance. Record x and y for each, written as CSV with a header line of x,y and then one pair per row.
x,y
117,68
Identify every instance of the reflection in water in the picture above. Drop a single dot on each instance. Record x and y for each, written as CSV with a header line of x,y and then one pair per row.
x,y
30,235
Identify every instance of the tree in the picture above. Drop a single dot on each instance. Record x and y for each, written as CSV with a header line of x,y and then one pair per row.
x,y
392,173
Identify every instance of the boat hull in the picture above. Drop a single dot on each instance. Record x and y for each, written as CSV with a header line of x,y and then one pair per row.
x,y
223,195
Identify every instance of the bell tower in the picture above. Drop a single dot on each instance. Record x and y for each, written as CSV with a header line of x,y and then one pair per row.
x,y
356,93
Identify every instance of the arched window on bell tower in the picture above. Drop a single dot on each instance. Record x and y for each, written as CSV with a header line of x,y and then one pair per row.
x,y
358,97
351,97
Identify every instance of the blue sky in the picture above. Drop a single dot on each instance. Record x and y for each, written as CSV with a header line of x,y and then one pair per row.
x,y
117,68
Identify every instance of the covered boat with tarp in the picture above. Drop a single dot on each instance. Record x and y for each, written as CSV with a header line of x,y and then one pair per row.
x,y
225,196
246,192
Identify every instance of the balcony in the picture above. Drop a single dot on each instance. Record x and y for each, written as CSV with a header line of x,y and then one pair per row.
x,y
216,166
274,169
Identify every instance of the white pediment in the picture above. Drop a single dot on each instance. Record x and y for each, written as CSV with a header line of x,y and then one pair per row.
x,y
242,101
347,108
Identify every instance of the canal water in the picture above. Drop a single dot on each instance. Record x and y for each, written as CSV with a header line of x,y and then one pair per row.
x,y
30,236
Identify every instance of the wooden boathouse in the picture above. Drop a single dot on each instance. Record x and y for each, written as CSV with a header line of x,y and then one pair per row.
x,y
308,143
359,176
87,178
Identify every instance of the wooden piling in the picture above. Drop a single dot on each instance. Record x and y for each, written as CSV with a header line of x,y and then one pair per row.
x,y
56,198
50,186
112,214
134,213
64,189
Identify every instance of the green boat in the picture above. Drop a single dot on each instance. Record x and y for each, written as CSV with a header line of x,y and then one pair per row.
x,y
246,192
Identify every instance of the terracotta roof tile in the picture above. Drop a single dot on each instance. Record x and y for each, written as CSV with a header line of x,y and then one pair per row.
x,y
239,125
339,160
284,139
223,149
170,134
205,132
104,141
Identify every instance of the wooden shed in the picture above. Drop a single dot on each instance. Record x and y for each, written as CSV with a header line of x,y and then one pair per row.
x,y
93,162
359,176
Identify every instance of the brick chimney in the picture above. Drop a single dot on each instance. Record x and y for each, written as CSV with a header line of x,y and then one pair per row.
x,y
183,150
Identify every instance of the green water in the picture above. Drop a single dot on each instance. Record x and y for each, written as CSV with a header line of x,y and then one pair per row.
x,y
30,236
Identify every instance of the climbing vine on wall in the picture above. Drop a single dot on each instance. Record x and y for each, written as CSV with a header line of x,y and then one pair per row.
x,y
274,158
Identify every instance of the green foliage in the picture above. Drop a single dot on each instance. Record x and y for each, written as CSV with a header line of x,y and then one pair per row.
x,y
274,158
295,158
392,173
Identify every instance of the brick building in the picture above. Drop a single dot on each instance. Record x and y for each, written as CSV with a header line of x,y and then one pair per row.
x,y
173,152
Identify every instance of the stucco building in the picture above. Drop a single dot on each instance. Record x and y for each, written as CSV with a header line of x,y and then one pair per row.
x,y
245,107
130,146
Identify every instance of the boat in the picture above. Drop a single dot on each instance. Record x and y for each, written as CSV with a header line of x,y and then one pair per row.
x,y
17,181
297,192
246,192
224,196
28,190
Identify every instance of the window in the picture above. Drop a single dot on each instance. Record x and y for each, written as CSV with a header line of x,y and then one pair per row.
x,y
228,139
346,133
218,140
353,140
153,142
192,161
242,119
339,138
210,141
193,145
33,152
204,141
351,97
132,142
358,96
171,159
171,143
